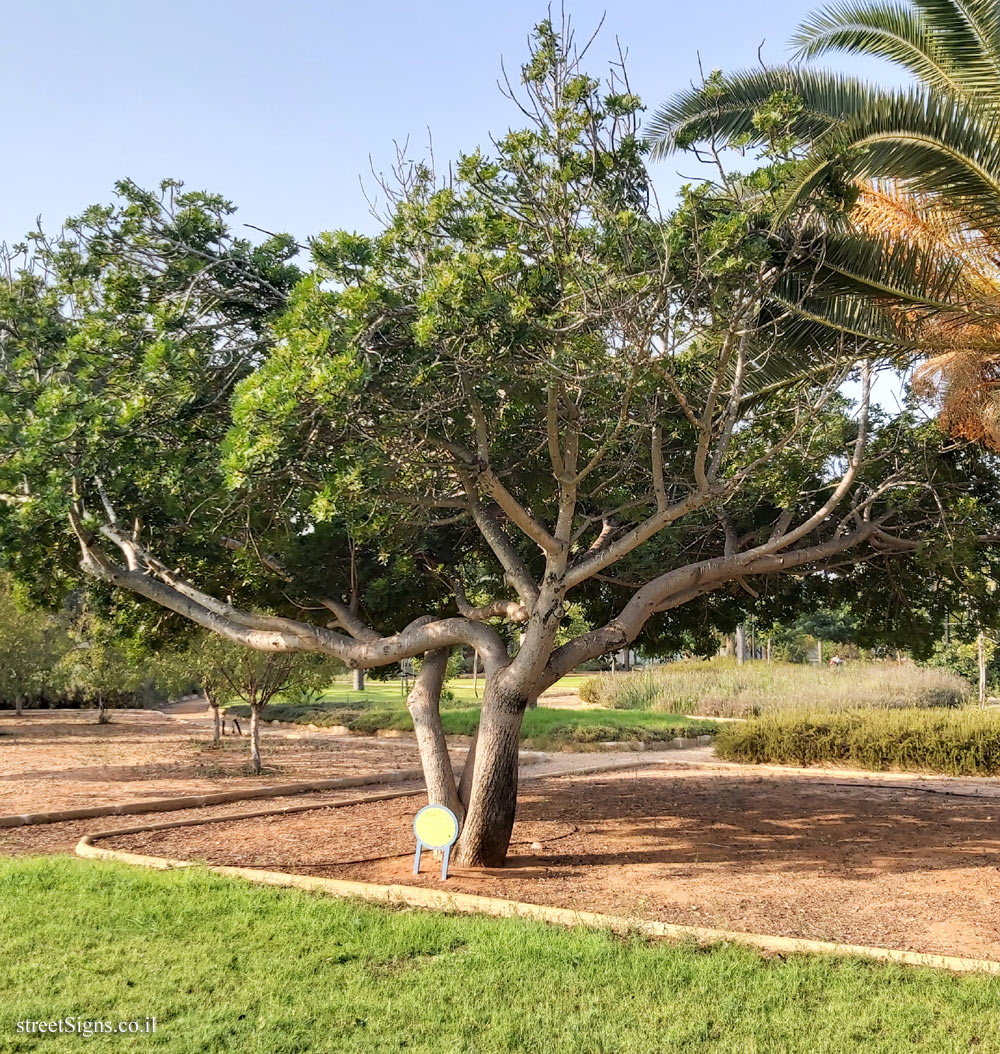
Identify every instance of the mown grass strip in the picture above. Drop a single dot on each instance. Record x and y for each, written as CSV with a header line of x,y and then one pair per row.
x,y
227,966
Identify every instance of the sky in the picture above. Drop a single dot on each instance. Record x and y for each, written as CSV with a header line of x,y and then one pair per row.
x,y
285,107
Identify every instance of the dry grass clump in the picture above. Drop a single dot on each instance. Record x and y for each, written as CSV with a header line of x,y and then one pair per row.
x,y
720,688
962,742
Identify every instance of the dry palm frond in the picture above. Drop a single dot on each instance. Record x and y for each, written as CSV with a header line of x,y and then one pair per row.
x,y
961,371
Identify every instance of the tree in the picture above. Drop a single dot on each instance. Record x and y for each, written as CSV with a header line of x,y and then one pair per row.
x,y
226,670
926,162
31,646
529,391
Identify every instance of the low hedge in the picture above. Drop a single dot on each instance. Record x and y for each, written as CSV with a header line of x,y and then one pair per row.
x,y
962,742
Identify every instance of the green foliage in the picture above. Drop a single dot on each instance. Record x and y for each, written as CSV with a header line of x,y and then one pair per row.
x,y
720,688
962,658
962,742
232,671
32,644
937,139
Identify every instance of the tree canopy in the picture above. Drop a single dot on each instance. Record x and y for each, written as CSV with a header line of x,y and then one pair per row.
x,y
532,400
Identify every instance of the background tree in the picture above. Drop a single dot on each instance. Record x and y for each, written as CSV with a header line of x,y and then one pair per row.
x,y
105,667
228,670
530,390
32,644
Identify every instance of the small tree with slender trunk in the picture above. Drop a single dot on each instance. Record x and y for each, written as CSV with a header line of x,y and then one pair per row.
x,y
255,678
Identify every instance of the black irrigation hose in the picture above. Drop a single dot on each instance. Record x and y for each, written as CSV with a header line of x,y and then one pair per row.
x,y
378,859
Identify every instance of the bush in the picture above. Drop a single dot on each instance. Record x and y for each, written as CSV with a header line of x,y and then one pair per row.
x,y
959,742
720,688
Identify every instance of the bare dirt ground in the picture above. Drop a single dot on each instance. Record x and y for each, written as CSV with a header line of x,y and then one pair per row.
x,y
58,759
795,855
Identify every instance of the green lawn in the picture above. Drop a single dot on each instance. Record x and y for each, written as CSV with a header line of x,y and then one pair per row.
x,y
543,728
228,966
391,693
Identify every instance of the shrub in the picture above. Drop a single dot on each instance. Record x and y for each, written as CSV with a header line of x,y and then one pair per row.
x,y
720,688
962,742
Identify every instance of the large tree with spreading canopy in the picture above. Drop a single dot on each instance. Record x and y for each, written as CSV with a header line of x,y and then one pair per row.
x,y
529,390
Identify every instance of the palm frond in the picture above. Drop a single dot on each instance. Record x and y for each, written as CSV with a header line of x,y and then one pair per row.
x,y
970,32
935,143
891,31
727,112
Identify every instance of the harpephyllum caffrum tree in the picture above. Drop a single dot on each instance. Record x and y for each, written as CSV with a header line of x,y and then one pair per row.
x,y
530,390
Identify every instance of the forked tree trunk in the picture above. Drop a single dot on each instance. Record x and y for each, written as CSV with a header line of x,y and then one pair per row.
x,y
423,703
359,680
255,739
103,717
489,816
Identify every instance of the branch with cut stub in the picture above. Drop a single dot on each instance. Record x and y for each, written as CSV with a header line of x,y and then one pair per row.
x,y
144,575
512,610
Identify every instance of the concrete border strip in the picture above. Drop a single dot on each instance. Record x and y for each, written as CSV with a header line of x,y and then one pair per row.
x,y
972,786
473,904
470,903
529,760
195,801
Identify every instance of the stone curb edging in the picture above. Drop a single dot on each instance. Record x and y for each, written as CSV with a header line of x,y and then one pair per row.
x,y
194,801
177,804
470,903
473,904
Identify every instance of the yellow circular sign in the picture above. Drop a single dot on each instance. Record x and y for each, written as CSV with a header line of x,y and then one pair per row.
x,y
436,826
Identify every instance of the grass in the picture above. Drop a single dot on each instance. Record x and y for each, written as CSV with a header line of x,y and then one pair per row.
x,y
543,728
958,742
391,694
720,688
227,966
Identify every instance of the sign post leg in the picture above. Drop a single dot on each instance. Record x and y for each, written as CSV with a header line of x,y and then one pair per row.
x,y
444,862
416,859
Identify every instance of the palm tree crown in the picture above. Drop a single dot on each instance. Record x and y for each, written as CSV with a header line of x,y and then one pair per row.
x,y
924,238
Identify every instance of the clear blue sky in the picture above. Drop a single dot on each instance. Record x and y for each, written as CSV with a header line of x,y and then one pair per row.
x,y
279,105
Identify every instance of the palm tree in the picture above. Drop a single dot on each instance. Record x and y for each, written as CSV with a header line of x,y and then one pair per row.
x,y
924,237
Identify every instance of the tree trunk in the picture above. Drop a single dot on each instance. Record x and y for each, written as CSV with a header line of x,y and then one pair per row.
x,y
981,655
532,703
768,649
255,739
489,816
741,644
424,706
819,653
475,673
18,705
215,724
103,717
465,783
359,680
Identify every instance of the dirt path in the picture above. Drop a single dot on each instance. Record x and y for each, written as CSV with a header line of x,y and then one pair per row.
x,y
55,759
786,854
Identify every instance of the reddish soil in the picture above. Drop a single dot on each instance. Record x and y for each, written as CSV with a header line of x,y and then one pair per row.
x,y
795,855
60,759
